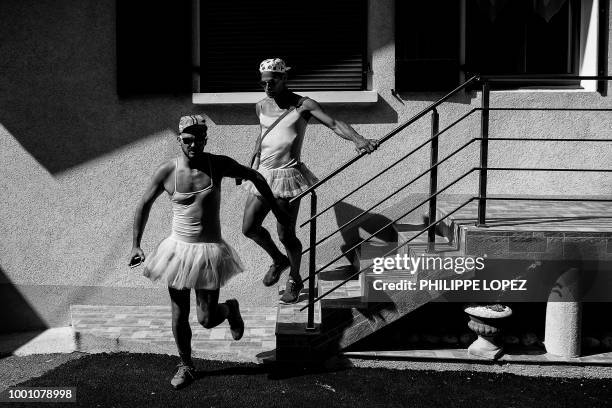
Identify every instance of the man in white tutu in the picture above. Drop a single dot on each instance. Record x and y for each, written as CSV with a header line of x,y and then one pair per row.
x,y
283,117
195,256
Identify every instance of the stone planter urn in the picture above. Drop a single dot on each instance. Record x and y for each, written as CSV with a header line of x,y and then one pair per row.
x,y
486,321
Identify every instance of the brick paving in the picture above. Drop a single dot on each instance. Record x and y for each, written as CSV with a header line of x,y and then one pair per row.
x,y
151,325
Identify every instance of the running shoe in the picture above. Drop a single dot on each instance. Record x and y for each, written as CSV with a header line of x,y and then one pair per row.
x,y
292,292
184,376
274,273
235,319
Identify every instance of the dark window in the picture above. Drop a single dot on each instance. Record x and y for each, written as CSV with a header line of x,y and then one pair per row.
x,y
523,37
427,45
153,47
323,41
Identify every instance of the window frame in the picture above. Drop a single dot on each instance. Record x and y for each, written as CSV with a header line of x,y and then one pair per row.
x,y
200,96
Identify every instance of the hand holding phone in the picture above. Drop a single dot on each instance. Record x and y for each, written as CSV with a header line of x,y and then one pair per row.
x,y
135,261
136,257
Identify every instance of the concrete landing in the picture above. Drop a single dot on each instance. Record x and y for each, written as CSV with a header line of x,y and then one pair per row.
x,y
535,230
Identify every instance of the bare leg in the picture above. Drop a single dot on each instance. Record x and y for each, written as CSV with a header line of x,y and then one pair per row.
x,y
286,234
255,212
210,312
180,323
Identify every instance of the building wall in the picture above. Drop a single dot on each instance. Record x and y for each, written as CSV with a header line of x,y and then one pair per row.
x,y
75,158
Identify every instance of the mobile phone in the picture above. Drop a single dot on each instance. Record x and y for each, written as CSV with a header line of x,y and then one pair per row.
x,y
135,261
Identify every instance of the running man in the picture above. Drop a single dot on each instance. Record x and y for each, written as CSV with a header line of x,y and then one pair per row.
x,y
283,117
195,256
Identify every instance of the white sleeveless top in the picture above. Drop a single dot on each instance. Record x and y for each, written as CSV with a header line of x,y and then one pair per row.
x,y
281,148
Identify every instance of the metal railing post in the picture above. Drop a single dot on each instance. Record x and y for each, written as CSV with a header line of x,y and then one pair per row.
x,y
312,267
484,154
433,180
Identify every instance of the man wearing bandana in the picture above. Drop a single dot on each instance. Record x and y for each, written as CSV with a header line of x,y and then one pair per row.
x,y
283,116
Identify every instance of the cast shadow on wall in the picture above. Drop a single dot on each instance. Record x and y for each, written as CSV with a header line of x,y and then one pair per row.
x,y
363,227
94,83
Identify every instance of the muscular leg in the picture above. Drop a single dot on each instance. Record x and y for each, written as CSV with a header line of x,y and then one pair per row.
x,y
255,211
210,312
180,323
286,234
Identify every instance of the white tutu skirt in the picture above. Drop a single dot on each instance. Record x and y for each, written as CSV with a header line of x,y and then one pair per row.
x,y
199,265
285,182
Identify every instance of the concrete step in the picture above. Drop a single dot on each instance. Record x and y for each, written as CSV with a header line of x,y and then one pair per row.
x,y
379,308
289,318
293,339
406,232
348,295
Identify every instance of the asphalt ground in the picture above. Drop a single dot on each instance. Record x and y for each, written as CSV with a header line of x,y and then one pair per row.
x,y
142,380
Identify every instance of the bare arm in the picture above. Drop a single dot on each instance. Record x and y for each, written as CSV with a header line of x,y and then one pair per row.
x,y
141,215
340,128
231,168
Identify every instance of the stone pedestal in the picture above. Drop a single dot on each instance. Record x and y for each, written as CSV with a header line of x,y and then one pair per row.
x,y
486,322
564,316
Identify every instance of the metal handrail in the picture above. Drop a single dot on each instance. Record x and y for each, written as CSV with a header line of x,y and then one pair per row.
x,y
388,136
372,235
461,118
392,250
364,212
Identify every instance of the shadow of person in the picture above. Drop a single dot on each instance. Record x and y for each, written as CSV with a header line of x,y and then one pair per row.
x,y
365,225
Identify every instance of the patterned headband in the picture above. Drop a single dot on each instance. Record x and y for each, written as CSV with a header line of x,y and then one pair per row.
x,y
274,65
190,120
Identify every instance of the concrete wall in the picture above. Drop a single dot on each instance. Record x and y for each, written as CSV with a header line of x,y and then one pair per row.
x,y
75,157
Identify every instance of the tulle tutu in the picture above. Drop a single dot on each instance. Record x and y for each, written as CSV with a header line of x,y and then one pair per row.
x,y
199,265
285,182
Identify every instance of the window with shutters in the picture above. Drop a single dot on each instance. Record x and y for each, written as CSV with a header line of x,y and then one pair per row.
x,y
323,41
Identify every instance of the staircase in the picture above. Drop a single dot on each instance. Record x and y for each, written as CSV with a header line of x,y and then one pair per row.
x,y
353,312
565,232
343,306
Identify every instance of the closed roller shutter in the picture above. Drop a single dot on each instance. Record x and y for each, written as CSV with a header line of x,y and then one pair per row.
x,y
323,41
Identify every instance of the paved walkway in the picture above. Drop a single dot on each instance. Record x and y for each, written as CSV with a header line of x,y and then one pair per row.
x,y
151,326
